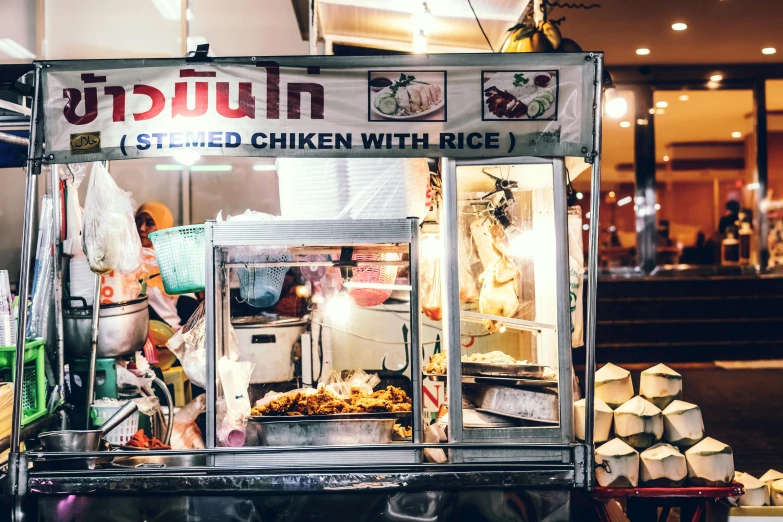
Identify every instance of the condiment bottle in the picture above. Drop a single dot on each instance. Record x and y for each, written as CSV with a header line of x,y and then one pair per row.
x,y
730,248
745,235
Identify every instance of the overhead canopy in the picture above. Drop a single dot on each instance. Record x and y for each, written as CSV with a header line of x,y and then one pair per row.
x,y
390,23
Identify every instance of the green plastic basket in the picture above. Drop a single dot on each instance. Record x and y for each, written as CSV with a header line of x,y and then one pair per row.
x,y
34,383
181,258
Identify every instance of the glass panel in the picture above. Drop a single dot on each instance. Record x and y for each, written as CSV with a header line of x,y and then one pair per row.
x,y
508,301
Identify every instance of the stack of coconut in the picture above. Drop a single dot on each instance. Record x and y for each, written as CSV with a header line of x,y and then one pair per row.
x,y
656,423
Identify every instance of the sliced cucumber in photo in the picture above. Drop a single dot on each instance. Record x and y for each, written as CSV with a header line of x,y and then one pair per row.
x,y
387,104
548,95
534,108
545,103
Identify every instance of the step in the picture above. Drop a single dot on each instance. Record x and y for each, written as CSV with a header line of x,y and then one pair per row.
x,y
689,330
703,287
729,307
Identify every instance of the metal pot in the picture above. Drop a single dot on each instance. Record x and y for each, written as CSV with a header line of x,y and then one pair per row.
x,y
122,330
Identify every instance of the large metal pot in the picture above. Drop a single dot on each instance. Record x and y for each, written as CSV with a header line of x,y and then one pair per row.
x,y
122,329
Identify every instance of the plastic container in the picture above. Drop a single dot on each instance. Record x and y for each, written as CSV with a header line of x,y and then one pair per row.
x,y
261,287
34,384
181,258
101,411
383,275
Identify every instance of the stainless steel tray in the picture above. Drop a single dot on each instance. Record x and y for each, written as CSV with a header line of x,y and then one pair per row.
x,y
310,431
502,381
336,416
540,405
527,371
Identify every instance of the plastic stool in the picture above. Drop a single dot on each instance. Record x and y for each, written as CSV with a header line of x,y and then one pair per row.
x,y
176,377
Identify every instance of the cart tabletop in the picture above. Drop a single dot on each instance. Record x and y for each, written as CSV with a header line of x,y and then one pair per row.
x,y
735,490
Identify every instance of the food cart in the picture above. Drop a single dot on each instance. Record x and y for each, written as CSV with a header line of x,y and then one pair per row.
x,y
501,127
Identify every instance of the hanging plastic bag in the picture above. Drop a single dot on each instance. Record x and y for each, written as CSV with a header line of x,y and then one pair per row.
x,y
576,262
43,274
111,241
189,345
73,175
429,280
235,379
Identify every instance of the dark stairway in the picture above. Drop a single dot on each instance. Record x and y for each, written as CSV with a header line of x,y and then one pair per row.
x,y
689,320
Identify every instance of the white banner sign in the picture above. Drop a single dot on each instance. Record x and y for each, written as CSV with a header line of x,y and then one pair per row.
x,y
455,106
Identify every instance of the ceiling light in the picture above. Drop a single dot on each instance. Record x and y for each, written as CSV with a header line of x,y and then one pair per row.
x,y
659,111
684,97
611,194
587,216
616,106
666,158
624,201
169,9
168,166
662,104
713,85
420,43
12,48
186,156
657,206
736,134
211,168
769,50
263,167
422,21
641,121
585,227
716,77
752,186
642,51
625,124
579,195
679,26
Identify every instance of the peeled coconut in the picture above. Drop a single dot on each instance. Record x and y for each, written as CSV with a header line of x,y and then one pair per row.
x,y
603,420
660,385
613,385
756,492
710,464
769,477
617,465
776,492
682,424
663,466
638,423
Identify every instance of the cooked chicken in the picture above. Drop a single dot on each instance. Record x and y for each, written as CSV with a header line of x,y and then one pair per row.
x,y
481,232
324,402
499,284
503,104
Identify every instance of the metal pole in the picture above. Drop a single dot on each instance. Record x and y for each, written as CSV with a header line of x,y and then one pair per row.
x,y
451,313
211,336
644,152
96,313
59,219
414,347
592,274
761,171
34,152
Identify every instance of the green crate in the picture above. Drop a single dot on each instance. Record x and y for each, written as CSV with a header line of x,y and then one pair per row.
x,y
34,384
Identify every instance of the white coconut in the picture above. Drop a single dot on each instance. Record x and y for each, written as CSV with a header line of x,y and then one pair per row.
x,y
682,424
660,385
776,492
710,463
663,466
617,465
769,477
756,492
613,385
638,423
603,421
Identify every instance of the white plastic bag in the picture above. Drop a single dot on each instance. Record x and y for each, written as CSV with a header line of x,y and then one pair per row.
x,y
73,175
185,433
235,379
110,238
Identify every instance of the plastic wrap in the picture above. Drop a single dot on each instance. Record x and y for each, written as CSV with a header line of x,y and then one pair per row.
x,y
365,382
429,280
576,263
7,323
73,175
43,274
353,188
189,345
232,421
111,241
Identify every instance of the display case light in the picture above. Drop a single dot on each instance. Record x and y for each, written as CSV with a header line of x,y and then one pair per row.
x,y
337,308
430,246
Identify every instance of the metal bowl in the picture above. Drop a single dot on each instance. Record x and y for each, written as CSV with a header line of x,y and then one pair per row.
x,y
71,440
326,432
161,461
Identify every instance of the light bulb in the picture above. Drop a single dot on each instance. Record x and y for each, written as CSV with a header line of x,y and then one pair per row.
x,y
186,157
422,21
338,308
520,243
303,291
420,43
502,328
616,106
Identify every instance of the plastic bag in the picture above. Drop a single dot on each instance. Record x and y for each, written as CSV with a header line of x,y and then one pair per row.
x,y
576,263
185,433
431,297
189,345
235,378
110,238
73,175
365,382
43,274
